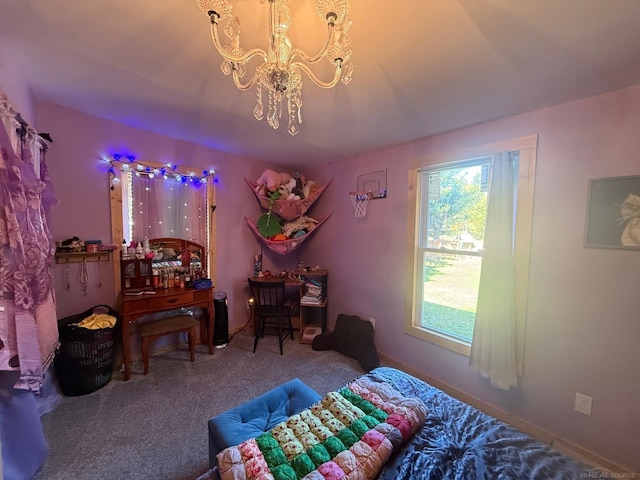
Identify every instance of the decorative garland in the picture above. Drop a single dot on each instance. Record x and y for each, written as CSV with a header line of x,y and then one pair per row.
x,y
169,172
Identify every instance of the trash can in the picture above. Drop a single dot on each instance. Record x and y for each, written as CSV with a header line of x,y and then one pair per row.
x,y
221,326
84,361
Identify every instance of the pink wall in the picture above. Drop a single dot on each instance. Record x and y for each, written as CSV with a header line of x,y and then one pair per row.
x,y
12,82
80,182
584,308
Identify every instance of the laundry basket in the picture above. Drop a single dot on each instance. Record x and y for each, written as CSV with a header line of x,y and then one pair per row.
x,y
84,361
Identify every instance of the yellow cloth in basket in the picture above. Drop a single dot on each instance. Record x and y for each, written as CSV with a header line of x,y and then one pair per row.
x,y
98,320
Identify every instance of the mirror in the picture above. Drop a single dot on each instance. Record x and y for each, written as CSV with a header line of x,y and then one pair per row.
x,y
175,252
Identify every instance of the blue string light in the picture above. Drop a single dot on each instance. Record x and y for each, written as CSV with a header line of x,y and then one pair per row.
x,y
168,172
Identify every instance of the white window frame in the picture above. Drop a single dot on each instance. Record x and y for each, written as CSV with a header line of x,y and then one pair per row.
x,y
527,147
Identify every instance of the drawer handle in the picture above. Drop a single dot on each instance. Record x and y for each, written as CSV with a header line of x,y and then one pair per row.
x,y
172,300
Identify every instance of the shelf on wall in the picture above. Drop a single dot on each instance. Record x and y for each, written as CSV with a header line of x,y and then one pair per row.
x,y
78,257
285,246
288,209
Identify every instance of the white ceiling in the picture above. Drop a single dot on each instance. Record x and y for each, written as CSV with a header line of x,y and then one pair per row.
x,y
422,67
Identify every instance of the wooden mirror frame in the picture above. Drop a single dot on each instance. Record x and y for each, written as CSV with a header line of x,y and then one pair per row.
x,y
181,246
117,229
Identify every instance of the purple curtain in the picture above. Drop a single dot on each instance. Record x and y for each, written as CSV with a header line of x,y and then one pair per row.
x,y
28,323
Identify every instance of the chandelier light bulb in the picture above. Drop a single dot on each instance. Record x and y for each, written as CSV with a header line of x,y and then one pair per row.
x,y
280,74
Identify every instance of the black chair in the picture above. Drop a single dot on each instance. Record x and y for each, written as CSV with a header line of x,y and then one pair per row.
x,y
272,308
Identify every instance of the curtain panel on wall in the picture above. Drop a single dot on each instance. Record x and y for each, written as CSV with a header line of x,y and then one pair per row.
x,y
28,322
493,349
168,208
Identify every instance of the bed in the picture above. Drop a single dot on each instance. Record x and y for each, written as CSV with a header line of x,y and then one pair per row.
x,y
450,440
459,442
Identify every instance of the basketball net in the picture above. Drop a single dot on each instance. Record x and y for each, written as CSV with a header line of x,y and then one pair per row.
x,y
359,201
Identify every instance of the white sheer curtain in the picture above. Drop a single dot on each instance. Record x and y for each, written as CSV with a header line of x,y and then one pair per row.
x,y
493,348
168,208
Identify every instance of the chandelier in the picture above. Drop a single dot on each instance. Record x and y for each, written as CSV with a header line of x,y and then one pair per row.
x,y
280,74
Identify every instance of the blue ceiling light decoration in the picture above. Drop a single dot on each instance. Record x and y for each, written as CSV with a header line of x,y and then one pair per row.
x,y
168,172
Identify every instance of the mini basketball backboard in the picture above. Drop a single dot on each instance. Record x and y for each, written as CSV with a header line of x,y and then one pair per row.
x,y
374,182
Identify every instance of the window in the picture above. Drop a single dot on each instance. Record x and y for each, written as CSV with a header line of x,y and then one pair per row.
x,y
453,206
449,202
139,204
157,208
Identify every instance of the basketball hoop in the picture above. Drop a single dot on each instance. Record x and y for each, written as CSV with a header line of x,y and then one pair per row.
x,y
359,201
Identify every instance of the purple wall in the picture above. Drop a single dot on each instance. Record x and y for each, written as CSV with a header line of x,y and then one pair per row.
x,y
81,184
584,308
14,86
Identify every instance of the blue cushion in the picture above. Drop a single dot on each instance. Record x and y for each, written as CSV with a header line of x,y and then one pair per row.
x,y
258,415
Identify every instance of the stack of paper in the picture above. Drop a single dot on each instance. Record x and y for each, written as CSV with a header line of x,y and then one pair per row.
x,y
313,294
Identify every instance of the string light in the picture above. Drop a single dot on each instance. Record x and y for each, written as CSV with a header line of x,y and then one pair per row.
x,y
168,172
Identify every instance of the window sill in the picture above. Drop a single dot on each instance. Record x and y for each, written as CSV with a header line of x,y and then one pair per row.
x,y
439,339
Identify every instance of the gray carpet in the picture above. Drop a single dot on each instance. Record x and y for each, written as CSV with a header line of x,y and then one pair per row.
x,y
155,426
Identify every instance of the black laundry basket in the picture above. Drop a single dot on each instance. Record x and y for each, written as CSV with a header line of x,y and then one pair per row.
x,y
84,361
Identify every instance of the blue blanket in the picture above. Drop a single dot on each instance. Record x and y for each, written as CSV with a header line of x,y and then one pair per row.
x,y
459,442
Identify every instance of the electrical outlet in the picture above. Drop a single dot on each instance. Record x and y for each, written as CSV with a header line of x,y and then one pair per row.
x,y
583,404
373,322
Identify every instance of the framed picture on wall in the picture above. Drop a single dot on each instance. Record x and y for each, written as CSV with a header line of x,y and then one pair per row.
x,y
613,213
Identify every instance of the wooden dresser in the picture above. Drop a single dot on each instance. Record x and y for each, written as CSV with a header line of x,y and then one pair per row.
x,y
135,306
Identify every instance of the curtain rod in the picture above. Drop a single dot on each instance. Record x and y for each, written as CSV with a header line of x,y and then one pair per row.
x,y
24,127
7,111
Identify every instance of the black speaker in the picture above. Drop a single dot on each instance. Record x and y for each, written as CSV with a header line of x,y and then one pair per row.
x,y
221,327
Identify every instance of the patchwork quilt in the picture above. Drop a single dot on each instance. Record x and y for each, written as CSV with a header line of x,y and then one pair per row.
x,y
349,434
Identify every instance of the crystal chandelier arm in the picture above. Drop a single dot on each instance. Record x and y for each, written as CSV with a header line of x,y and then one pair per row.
x,y
242,86
297,53
316,80
280,75
231,58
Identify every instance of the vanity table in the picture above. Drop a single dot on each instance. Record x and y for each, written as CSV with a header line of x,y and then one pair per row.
x,y
140,296
135,306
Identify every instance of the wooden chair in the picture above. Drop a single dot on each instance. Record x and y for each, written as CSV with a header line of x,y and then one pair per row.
x,y
272,308
156,328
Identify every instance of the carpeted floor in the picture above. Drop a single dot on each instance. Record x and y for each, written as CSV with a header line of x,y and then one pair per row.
x,y
155,426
